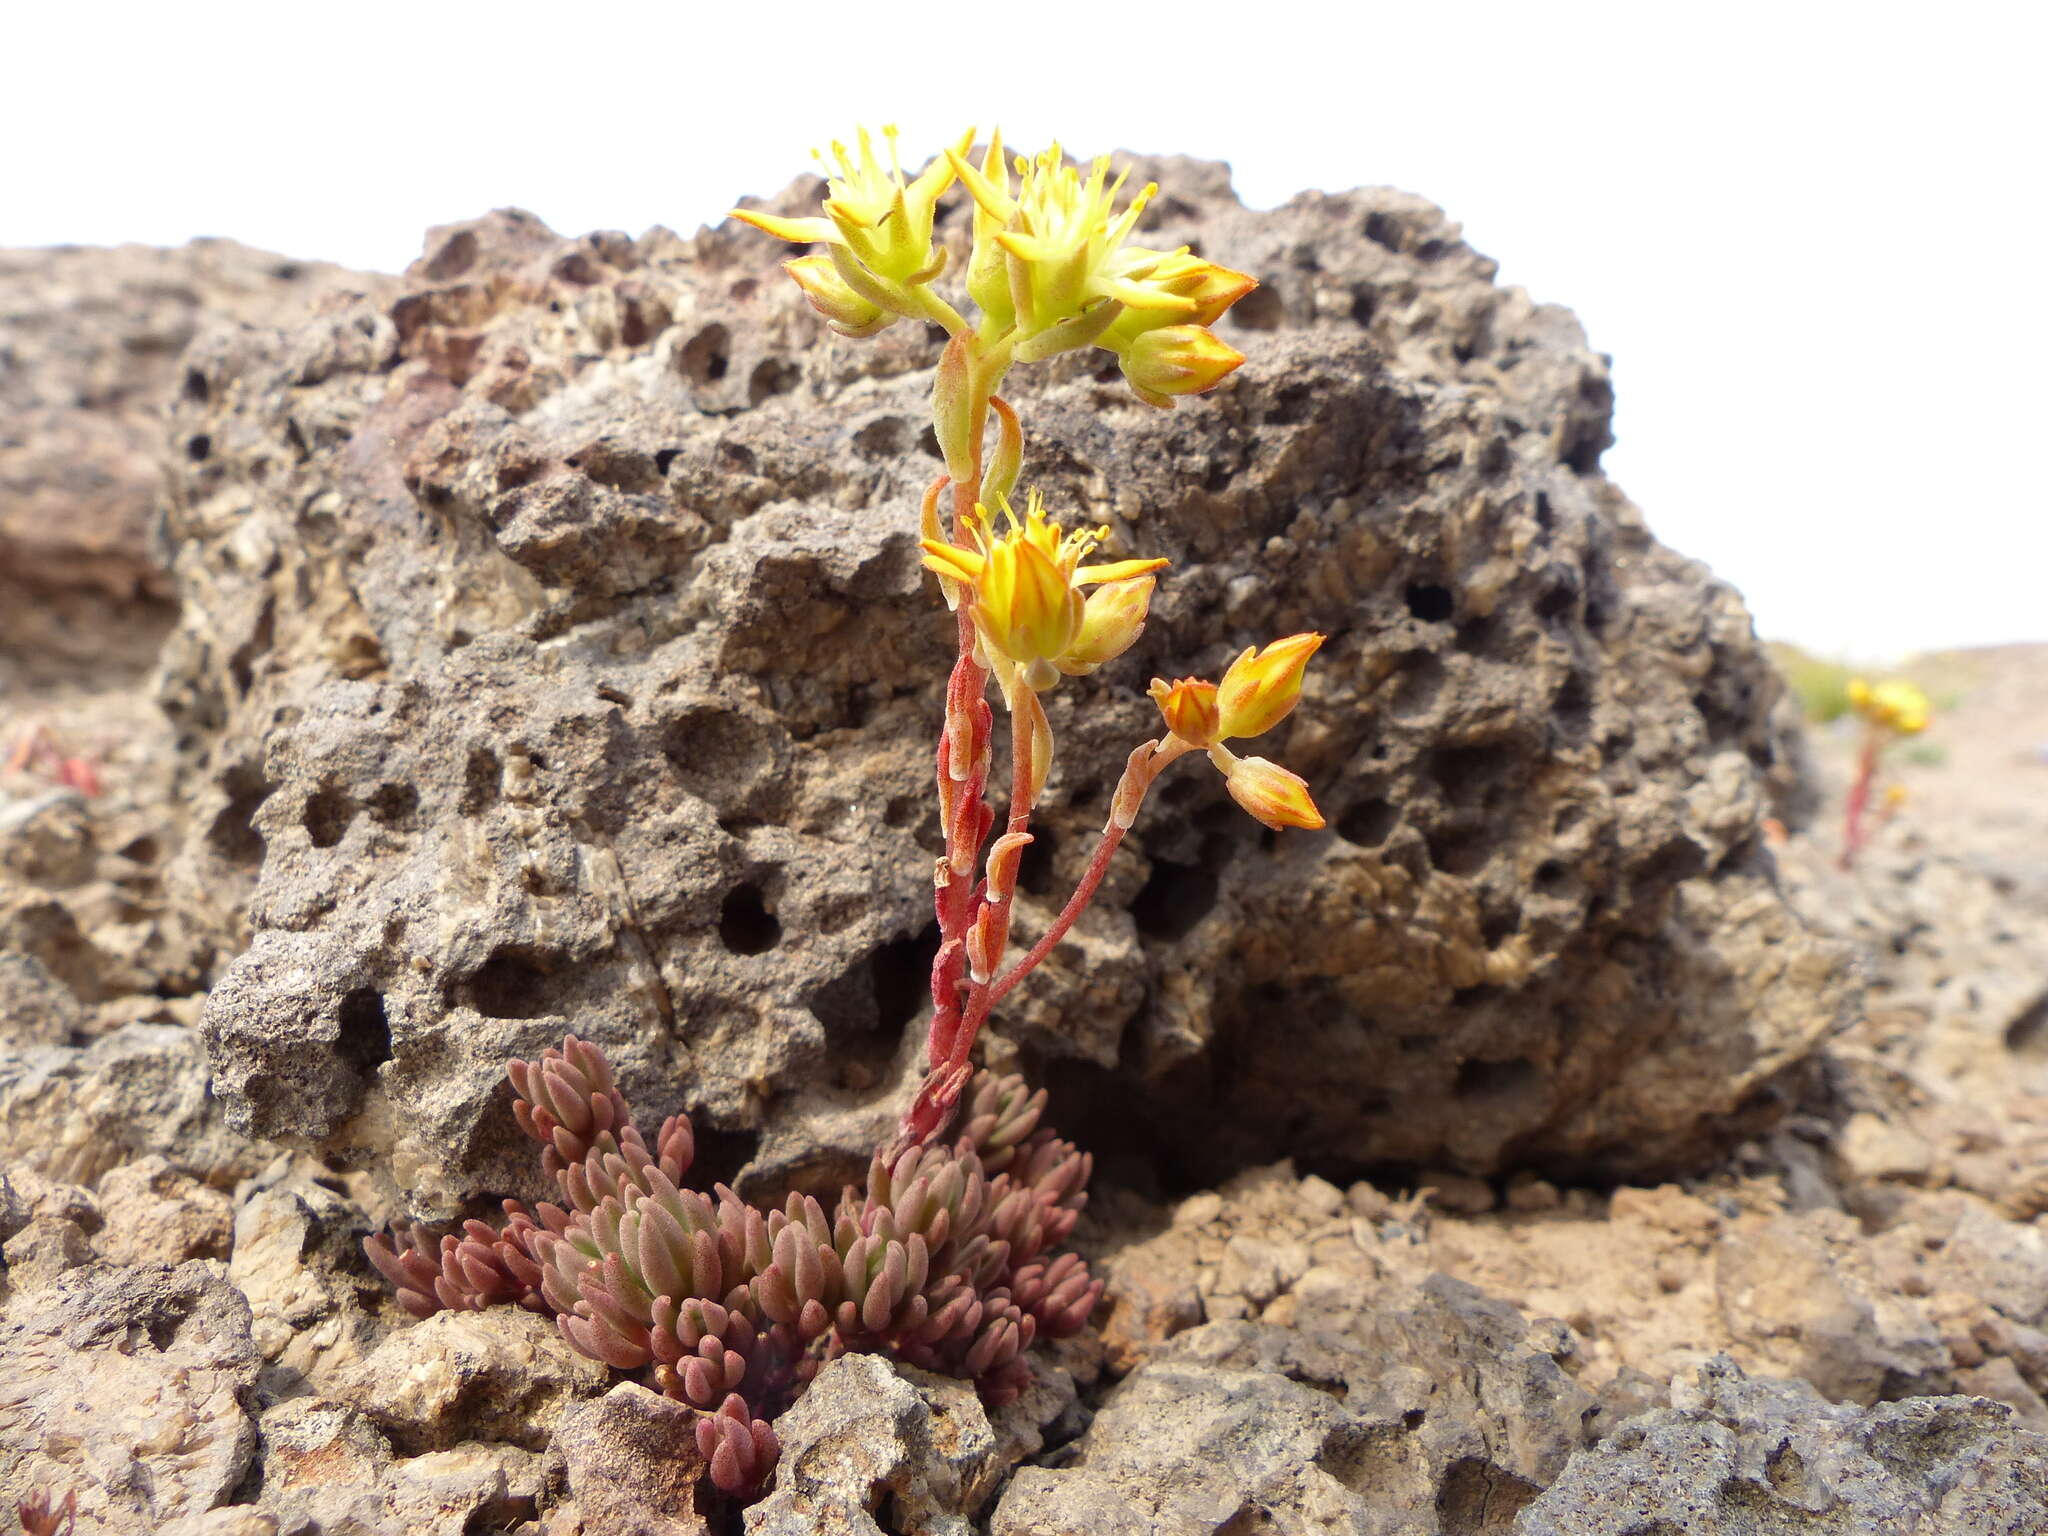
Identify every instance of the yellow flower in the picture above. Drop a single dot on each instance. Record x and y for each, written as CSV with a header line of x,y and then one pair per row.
x,y
1062,238
1257,693
1029,609
1896,705
877,228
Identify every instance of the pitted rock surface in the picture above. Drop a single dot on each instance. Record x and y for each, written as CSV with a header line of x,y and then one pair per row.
x,y
1735,1456
555,653
90,341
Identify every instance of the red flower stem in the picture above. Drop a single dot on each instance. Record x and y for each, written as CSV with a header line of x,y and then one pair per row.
x,y
1859,796
1145,766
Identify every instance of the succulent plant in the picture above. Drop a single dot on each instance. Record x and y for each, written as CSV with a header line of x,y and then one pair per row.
x,y
943,1259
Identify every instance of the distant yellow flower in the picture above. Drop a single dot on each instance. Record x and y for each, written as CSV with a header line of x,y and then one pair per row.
x,y
1257,693
1026,582
1896,705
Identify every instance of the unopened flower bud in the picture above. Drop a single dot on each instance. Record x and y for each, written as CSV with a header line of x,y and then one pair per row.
x,y
1273,796
844,310
1111,622
1189,709
1177,360
1262,686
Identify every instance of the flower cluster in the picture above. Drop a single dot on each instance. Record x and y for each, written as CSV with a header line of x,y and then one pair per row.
x,y
1052,268
945,1259
1890,709
1894,705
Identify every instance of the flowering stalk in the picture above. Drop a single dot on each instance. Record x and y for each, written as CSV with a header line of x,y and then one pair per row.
x,y
1888,710
1052,269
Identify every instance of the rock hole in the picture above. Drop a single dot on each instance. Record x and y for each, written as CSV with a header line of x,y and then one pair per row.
x,y
706,355
393,804
1478,1498
882,991
663,458
2028,1032
1368,823
1679,859
363,1038
721,1154
512,983
1173,899
745,925
1260,310
456,256
197,447
481,776
1572,707
196,389
928,444
1498,922
1477,1079
327,816
1383,230
882,438
1561,598
1429,603
1290,405
1035,867
1476,636
772,376
1363,303
1468,776
1545,518
1421,680
233,834
1555,878
1413,1419
165,1320
1461,851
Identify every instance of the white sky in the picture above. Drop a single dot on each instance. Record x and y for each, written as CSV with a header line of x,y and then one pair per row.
x,y
1809,234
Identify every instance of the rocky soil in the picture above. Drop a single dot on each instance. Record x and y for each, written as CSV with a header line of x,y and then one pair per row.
x,y
536,642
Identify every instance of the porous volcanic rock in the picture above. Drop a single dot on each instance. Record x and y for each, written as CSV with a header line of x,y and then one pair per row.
x,y
555,654
1383,1409
1737,1455
89,346
129,1386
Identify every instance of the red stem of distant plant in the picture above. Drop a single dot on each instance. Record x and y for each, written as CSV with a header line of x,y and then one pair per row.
x,y
1859,797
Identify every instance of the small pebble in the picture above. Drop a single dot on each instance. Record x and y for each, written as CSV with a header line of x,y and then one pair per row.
x,y
1459,1193
1367,1202
1320,1197
1198,1210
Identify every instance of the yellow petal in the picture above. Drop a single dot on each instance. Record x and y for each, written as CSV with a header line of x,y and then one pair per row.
x,y
803,231
951,561
1119,570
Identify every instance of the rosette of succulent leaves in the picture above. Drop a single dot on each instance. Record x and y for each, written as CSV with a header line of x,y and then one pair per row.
x,y
947,1258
